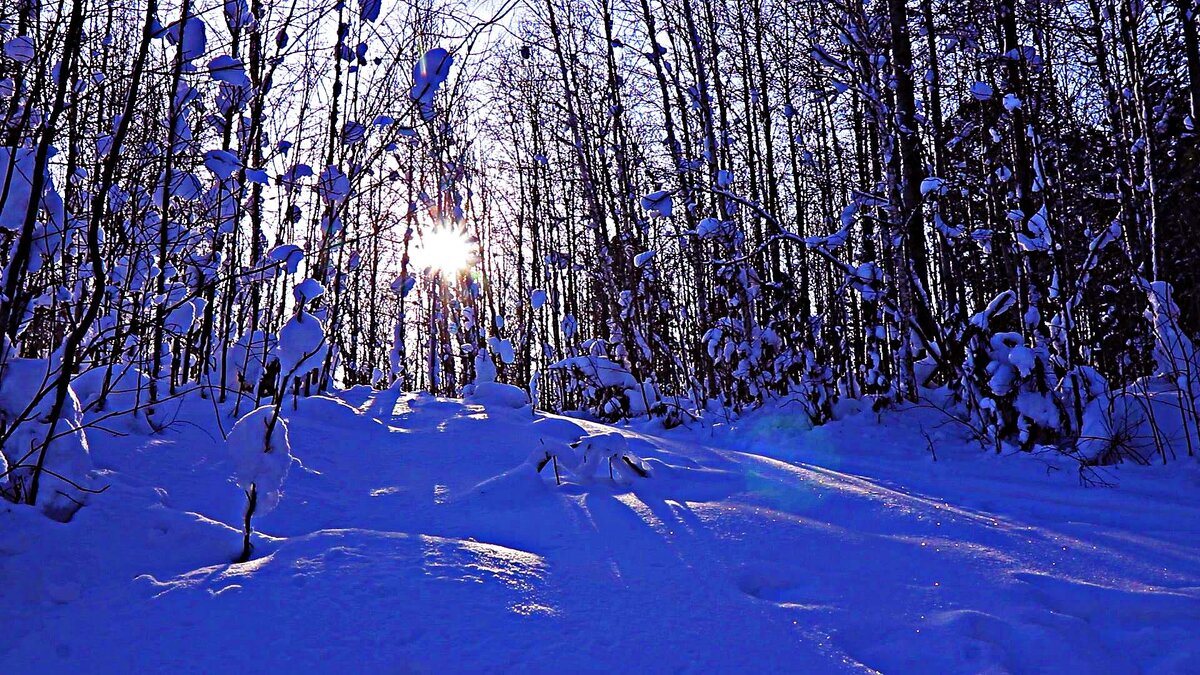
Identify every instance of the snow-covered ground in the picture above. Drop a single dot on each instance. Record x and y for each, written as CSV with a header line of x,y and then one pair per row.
x,y
414,534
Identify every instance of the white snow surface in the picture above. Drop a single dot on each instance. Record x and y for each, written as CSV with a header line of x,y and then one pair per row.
x,y
414,534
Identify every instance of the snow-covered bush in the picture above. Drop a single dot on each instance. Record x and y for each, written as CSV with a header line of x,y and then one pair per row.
x,y
485,368
606,388
486,391
556,454
589,457
16,185
246,362
301,346
119,391
6,491
25,427
1177,363
608,449
812,385
1138,424
498,395
1156,416
261,452
1008,388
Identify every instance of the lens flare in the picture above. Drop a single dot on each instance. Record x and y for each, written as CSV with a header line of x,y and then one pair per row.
x,y
444,249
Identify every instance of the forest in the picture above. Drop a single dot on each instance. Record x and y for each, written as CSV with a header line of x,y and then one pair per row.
x,y
673,213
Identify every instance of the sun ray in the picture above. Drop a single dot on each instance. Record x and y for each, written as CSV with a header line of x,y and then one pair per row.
x,y
446,250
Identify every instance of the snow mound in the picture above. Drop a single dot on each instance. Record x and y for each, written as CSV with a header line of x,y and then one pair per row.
x,y
558,428
499,395
330,411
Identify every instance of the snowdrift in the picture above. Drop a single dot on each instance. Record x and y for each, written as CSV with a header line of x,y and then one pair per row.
x,y
413,532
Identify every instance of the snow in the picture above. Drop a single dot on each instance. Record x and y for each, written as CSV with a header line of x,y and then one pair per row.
x,y
1139,424
607,452
195,37
67,454
181,319
290,255
237,13
415,533
597,370
19,49
428,75
839,238
658,204
998,306
227,69
933,184
222,163
1175,355
709,496
247,359
333,186
307,291
403,284
496,395
503,349
714,228
5,483
17,188
485,369
294,174
369,9
301,344
261,454
353,132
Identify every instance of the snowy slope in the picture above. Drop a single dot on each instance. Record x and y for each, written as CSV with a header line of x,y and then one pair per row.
x,y
413,534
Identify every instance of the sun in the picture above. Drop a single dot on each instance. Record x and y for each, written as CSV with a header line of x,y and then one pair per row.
x,y
446,250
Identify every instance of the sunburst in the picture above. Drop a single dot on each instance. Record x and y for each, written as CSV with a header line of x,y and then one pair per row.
x,y
446,250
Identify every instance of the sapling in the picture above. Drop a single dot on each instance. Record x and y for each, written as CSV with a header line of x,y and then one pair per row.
x,y
262,455
549,457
